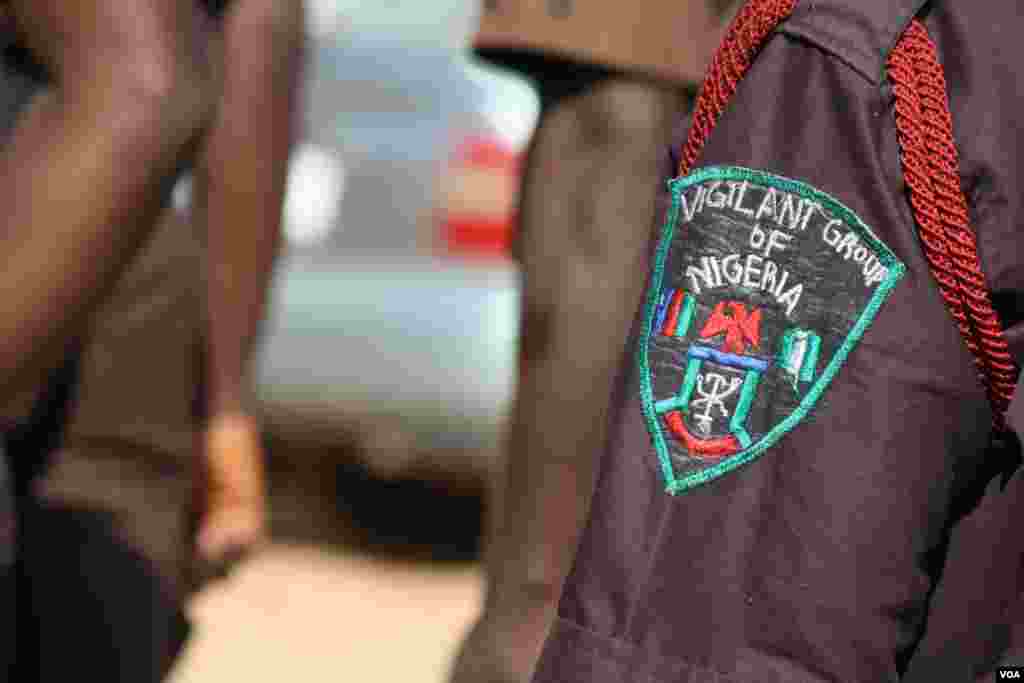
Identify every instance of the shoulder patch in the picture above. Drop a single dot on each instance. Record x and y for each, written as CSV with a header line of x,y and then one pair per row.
x,y
762,286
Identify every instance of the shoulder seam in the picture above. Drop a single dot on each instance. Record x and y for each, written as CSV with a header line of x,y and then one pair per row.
x,y
862,60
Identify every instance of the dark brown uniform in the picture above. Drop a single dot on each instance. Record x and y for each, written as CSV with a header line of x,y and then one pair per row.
x,y
798,424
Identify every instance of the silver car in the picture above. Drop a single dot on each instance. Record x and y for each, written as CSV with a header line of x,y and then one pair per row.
x,y
376,332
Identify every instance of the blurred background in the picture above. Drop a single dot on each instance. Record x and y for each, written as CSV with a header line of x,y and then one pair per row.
x,y
386,367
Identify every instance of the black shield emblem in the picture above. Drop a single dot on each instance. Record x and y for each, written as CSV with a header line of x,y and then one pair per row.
x,y
762,286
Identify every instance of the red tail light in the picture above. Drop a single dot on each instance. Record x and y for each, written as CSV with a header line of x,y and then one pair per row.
x,y
478,199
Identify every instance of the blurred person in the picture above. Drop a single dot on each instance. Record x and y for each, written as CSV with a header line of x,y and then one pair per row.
x,y
113,103
803,478
614,81
126,102
146,440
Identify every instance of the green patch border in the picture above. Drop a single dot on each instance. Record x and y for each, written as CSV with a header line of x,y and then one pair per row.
x,y
895,269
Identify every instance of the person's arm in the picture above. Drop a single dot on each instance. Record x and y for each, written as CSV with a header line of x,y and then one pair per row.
x,y
81,178
240,188
588,201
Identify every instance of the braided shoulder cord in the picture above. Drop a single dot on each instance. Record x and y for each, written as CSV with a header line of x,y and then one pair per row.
x,y
930,168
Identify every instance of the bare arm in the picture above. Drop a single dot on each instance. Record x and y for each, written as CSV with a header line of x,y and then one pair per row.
x,y
588,203
82,176
240,190
242,181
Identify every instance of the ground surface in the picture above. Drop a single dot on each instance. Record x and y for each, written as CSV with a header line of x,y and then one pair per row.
x,y
305,613
370,579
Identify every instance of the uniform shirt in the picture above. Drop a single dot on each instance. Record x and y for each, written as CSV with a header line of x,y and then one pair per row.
x,y
796,382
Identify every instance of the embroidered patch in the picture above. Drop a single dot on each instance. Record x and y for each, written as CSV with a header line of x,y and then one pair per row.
x,y
761,288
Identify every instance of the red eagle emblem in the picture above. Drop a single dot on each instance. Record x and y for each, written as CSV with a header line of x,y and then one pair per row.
x,y
740,327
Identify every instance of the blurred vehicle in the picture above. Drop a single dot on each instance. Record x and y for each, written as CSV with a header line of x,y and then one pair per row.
x,y
394,312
